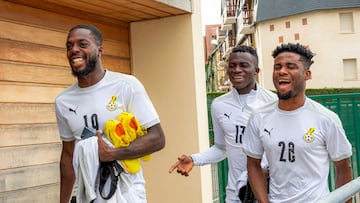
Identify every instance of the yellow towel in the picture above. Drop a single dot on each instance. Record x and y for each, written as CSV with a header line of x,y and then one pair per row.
x,y
121,133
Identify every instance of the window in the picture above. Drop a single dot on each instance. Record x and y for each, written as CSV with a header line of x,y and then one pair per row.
x,y
297,36
350,70
304,21
281,39
287,24
272,28
346,22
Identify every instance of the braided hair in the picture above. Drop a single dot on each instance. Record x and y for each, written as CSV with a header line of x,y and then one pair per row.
x,y
305,53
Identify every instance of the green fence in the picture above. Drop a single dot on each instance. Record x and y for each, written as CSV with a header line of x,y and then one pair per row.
x,y
347,106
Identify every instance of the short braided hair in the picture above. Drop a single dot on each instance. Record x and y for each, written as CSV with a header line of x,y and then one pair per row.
x,y
305,53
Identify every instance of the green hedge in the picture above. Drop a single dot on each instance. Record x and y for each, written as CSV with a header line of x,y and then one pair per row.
x,y
212,95
332,91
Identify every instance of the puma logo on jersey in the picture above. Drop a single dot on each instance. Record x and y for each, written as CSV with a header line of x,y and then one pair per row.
x,y
73,110
227,115
268,131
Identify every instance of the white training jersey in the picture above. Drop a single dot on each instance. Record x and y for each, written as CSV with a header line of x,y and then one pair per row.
x,y
298,145
230,113
92,106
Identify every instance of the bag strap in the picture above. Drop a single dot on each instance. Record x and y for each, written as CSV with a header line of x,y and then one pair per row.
x,y
110,170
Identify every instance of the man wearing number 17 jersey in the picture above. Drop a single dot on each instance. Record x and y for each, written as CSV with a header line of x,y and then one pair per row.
x,y
230,113
298,135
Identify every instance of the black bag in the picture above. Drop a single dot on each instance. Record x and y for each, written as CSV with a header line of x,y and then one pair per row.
x,y
246,194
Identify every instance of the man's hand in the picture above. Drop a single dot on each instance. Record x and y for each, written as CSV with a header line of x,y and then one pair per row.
x,y
104,149
183,165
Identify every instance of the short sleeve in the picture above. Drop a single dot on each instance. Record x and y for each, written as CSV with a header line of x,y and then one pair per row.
x,y
65,133
252,144
140,104
338,145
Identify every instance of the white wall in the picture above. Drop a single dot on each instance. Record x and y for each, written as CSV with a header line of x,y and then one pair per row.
x,y
167,56
323,36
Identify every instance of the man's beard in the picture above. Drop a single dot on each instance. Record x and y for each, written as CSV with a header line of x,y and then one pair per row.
x,y
285,96
90,66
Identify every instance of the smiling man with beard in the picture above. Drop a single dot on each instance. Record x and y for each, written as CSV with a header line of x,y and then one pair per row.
x,y
299,136
90,66
100,95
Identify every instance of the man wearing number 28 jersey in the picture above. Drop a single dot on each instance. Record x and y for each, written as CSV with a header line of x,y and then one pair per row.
x,y
298,135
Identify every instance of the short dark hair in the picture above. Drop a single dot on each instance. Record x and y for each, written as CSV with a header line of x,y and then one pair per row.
x,y
246,49
305,53
93,30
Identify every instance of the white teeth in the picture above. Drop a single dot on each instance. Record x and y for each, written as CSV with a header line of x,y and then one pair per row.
x,y
77,60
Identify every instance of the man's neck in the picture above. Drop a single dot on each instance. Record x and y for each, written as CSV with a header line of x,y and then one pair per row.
x,y
292,103
92,78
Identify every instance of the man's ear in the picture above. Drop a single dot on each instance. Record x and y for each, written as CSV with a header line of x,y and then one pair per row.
x,y
308,75
101,49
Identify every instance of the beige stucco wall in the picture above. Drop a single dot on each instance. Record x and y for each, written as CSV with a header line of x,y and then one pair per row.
x,y
167,56
322,34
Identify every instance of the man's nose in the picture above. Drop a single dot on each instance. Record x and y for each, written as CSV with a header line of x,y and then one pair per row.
x,y
238,68
283,70
75,48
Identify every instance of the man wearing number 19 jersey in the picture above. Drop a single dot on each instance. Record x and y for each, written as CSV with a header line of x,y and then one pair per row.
x,y
96,97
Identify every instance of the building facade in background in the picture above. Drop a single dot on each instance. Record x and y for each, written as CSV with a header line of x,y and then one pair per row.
x,y
329,27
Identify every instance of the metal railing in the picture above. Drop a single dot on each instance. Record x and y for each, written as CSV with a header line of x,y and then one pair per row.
x,y
343,193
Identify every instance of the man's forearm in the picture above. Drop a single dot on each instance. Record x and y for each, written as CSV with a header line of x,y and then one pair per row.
x,y
343,173
152,142
66,186
257,180
67,180
258,185
214,154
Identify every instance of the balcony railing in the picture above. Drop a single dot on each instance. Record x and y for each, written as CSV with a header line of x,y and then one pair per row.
x,y
229,12
231,40
231,7
245,19
247,14
220,34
